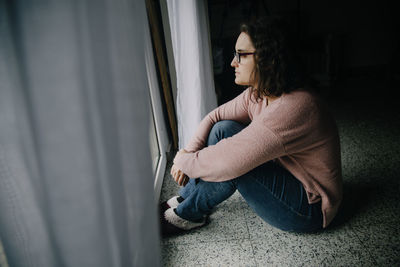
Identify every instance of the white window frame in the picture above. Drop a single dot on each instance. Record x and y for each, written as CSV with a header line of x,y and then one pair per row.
x,y
164,143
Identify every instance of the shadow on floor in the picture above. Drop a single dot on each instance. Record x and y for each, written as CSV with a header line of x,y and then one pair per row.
x,y
356,198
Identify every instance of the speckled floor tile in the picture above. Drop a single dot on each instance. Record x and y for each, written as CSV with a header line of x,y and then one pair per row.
x,y
369,160
378,209
383,242
377,227
257,227
220,253
357,163
337,248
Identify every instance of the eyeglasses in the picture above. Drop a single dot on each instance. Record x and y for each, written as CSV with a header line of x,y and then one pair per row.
x,y
237,55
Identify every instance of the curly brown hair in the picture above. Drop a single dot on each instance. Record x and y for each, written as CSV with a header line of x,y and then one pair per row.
x,y
276,65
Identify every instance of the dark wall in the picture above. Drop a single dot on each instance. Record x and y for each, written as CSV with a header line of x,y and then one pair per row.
x,y
338,40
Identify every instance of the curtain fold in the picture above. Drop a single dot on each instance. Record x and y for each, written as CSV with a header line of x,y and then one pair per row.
x,y
76,185
191,48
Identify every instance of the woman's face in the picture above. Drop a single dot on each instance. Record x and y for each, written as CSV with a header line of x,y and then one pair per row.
x,y
244,69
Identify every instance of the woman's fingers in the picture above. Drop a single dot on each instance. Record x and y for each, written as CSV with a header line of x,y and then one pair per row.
x,y
179,176
185,181
176,177
180,179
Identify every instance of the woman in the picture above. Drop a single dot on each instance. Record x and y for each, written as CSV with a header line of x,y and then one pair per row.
x,y
275,143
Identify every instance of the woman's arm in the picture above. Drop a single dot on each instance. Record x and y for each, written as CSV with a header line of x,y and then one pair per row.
x,y
236,109
233,156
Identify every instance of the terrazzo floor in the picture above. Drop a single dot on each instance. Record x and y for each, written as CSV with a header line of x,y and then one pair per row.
x,y
367,233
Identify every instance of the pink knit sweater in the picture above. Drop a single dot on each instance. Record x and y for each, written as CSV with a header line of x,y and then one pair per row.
x,y
296,130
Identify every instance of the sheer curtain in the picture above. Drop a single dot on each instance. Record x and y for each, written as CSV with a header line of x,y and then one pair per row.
x,y
76,185
191,48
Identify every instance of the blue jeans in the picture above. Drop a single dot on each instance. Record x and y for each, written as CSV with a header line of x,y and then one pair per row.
x,y
269,189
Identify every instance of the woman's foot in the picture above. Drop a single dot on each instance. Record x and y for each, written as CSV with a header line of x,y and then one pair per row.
x,y
171,203
172,224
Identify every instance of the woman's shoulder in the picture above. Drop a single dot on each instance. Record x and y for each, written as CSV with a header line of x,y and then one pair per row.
x,y
302,94
299,102
299,108
305,98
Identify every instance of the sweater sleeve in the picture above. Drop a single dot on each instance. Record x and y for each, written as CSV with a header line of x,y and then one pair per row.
x,y
236,109
233,156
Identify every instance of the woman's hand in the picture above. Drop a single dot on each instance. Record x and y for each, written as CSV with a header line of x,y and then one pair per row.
x,y
179,176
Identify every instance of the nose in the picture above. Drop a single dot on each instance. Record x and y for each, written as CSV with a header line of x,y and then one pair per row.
x,y
234,63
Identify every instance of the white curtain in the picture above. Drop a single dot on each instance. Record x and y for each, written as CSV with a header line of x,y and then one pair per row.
x,y
76,185
191,48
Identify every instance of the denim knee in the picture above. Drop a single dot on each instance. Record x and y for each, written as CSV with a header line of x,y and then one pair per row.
x,y
223,129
